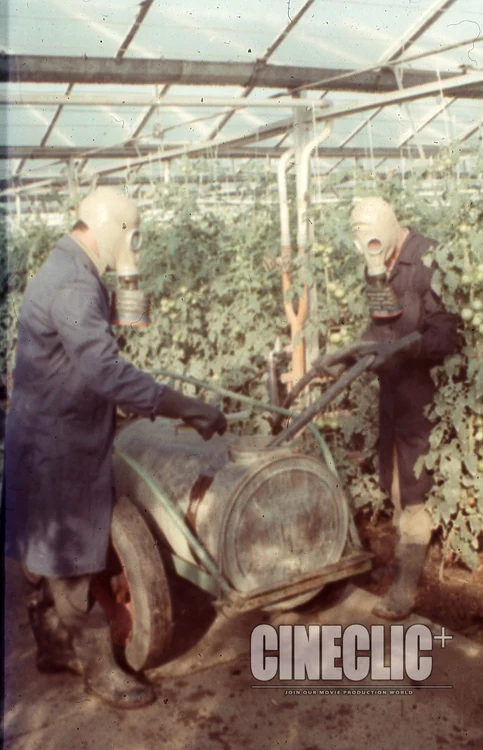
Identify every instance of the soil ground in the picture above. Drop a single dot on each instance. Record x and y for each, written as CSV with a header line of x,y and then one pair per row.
x,y
209,700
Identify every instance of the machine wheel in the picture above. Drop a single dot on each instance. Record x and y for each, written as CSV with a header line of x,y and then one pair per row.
x,y
32,578
147,596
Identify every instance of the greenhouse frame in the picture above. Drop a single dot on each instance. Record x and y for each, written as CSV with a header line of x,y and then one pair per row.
x,y
140,90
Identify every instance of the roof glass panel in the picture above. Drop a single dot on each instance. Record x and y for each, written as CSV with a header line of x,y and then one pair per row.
x,y
330,34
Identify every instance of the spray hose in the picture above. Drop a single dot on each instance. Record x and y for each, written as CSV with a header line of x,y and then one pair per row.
x,y
257,404
177,517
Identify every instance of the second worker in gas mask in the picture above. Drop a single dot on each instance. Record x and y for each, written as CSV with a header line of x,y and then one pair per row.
x,y
401,303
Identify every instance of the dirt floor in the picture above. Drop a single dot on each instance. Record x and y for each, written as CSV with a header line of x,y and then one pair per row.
x,y
208,698
451,594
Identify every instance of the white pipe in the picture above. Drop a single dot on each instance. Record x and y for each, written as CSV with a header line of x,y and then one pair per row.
x,y
282,168
144,100
304,177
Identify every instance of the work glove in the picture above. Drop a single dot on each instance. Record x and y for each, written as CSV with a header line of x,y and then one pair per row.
x,y
204,418
387,355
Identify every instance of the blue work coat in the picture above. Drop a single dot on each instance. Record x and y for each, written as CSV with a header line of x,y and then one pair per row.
x,y
68,379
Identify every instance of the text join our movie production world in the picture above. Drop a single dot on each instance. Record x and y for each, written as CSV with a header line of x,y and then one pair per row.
x,y
333,660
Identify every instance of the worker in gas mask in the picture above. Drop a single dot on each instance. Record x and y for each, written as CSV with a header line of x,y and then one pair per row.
x,y
58,484
402,305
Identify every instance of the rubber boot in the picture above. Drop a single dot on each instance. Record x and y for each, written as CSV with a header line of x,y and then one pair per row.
x,y
55,651
400,600
104,677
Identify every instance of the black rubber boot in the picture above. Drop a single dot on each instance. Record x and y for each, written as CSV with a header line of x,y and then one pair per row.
x,y
400,600
55,651
104,677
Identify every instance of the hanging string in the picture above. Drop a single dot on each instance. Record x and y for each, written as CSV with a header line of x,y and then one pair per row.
x,y
371,153
317,171
445,109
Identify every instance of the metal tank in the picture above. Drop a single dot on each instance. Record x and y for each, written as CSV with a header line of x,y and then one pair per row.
x,y
266,517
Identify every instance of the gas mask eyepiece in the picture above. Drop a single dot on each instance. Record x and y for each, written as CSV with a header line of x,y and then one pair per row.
x,y
135,240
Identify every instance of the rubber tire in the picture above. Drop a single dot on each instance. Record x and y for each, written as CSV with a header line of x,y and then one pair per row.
x,y
33,579
143,566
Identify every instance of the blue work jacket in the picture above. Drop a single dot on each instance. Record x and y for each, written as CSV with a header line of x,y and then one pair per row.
x,y
68,378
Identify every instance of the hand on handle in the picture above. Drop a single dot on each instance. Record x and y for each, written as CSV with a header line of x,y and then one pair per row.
x,y
204,418
387,354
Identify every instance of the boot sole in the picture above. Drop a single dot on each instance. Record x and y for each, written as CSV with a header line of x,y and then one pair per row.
x,y
125,706
387,614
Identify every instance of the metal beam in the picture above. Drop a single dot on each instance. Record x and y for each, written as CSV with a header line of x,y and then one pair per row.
x,y
137,71
421,25
267,131
144,6
146,100
454,86
401,45
467,79
429,118
227,151
329,113
262,62
51,190
66,153
360,126
471,131
378,66
213,147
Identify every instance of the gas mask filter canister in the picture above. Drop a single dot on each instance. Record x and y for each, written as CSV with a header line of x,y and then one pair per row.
x,y
375,231
130,305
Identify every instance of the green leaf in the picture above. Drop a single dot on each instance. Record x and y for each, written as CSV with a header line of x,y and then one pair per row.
x,y
470,463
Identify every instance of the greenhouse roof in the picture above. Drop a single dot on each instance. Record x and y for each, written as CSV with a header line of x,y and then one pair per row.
x,y
101,90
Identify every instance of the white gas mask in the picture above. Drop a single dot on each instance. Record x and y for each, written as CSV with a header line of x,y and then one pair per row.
x,y
375,231
114,220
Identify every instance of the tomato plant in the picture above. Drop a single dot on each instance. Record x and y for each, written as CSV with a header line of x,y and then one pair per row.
x,y
217,311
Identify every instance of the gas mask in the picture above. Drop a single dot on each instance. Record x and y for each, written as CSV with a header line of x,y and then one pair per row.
x,y
375,231
114,221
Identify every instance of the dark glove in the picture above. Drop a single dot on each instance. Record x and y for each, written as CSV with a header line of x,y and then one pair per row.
x,y
393,353
387,354
204,418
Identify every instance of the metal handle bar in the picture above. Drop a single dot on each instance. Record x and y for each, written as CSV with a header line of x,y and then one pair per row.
x,y
360,351
301,384
341,384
